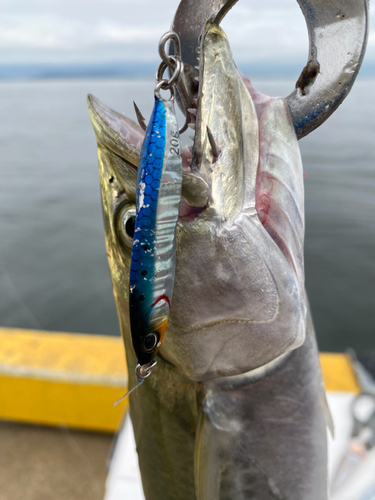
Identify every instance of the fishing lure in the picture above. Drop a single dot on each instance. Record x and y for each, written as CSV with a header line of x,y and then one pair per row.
x,y
159,185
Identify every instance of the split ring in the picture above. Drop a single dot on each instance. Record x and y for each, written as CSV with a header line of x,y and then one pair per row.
x,y
144,371
178,69
170,35
163,85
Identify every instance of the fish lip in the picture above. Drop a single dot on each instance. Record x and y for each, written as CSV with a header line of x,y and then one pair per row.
x,y
116,132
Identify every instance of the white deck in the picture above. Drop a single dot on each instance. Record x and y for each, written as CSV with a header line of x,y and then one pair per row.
x,y
124,481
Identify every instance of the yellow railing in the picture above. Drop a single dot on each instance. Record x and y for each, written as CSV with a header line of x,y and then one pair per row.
x,y
73,379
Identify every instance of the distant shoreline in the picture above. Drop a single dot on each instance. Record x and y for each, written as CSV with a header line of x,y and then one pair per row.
x,y
132,71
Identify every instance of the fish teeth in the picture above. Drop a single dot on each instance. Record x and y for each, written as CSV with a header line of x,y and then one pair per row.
x,y
195,101
192,111
139,145
140,117
192,137
215,149
196,67
192,125
196,78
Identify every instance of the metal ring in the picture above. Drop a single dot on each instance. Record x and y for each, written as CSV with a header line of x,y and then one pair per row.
x,y
144,371
160,71
178,69
177,72
163,84
170,35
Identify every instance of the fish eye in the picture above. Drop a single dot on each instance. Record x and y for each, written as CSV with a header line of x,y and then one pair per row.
x,y
126,224
130,226
150,342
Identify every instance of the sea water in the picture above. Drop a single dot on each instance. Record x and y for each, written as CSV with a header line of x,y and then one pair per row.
x,y
53,268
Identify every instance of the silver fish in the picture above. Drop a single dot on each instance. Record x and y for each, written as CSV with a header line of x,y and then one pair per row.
x,y
235,407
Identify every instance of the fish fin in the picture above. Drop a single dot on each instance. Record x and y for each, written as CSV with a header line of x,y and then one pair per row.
x,y
327,412
140,117
224,462
206,461
321,393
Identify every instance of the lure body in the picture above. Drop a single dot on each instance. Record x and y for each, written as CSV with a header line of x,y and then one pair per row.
x,y
154,248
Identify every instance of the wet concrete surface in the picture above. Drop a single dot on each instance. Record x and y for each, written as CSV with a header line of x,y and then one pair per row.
x,y
44,463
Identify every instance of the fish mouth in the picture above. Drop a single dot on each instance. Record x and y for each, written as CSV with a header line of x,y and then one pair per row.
x,y
221,174
222,170
225,150
246,150
213,173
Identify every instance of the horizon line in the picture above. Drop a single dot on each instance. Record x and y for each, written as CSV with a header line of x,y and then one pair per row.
x,y
123,69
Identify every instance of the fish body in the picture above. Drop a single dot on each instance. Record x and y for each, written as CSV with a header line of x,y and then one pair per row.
x,y
153,258
235,406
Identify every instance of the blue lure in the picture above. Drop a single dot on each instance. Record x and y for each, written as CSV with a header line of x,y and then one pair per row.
x,y
154,248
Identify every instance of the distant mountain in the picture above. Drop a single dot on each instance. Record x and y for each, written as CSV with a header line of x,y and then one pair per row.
x,y
268,69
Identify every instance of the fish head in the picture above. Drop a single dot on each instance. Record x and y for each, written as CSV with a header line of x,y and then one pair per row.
x,y
238,299
118,140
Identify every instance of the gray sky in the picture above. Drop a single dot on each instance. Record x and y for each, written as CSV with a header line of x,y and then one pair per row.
x,y
96,31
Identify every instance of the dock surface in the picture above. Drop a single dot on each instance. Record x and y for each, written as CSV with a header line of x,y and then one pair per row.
x,y
52,463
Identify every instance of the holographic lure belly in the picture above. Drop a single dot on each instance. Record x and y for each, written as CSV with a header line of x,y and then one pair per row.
x,y
154,248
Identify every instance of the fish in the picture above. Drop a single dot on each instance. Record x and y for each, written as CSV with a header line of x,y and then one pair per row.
x,y
235,406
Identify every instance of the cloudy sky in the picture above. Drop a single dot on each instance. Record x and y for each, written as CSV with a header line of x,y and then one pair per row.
x,y
99,31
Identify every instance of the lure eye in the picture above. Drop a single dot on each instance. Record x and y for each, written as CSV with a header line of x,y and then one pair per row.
x,y
126,224
150,342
